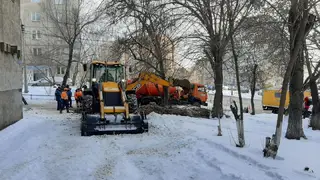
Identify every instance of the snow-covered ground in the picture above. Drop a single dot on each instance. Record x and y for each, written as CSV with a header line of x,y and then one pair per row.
x,y
235,94
48,145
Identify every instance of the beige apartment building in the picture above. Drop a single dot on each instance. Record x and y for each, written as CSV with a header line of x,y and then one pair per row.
x,y
45,55
10,63
202,73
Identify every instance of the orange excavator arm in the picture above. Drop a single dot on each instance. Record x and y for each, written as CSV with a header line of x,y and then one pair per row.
x,y
144,78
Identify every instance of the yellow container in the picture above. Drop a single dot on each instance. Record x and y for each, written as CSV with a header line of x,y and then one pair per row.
x,y
271,99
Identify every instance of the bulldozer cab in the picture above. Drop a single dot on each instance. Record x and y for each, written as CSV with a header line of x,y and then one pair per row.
x,y
100,73
112,73
106,72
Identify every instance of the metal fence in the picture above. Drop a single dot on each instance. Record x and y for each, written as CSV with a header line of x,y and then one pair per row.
x,y
40,97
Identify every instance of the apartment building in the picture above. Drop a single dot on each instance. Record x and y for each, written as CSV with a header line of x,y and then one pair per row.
x,y
202,73
10,63
46,54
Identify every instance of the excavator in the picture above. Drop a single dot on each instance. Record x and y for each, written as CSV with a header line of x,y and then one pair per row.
x,y
106,96
149,88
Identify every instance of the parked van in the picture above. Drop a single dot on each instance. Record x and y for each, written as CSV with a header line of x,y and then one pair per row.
x,y
271,100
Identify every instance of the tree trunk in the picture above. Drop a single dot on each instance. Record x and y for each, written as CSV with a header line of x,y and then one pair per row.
x,y
294,129
299,27
239,122
217,109
67,74
74,77
315,117
165,95
253,88
163,76
52,75
297,24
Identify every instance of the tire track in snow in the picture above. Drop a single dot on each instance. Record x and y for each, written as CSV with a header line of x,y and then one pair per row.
x,y
112,153
249,160
305,174
143,159
120,164
148,169
214,163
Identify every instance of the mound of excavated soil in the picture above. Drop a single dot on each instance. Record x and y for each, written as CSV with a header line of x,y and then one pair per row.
x,y
192,111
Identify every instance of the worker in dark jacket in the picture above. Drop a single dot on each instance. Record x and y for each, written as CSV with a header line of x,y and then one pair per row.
x,y
58,98
69,97
65,100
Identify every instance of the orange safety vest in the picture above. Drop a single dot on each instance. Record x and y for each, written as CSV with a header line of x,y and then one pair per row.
x,y
77,94
64,95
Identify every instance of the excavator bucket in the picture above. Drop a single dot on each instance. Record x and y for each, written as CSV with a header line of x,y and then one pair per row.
x,y
93,125
184,83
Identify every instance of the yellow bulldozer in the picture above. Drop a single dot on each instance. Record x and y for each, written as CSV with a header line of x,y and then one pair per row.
x,y
106,97
110,94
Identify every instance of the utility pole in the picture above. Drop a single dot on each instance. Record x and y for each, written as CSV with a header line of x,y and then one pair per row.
x,y
24,62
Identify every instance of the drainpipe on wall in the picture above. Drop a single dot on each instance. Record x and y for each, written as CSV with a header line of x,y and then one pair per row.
x,y
24,62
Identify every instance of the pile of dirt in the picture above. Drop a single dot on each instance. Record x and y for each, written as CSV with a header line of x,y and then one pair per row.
x,y
192,111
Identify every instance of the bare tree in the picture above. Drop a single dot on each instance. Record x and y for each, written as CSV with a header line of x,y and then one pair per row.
x,y
267,56
211,19
314,74
294,129
253,87
254,74
153,40
298,29
69,19
239,118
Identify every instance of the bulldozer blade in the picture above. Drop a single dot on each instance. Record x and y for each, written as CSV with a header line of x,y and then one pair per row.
x,y
92,125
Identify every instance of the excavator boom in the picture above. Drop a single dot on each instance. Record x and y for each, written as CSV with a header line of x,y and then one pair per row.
x,y
191,91
146,77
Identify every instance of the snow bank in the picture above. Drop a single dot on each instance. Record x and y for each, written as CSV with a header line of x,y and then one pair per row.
x,y
48,145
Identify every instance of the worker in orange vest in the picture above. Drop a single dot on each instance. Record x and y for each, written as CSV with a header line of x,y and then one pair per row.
x,y
64,100
78,97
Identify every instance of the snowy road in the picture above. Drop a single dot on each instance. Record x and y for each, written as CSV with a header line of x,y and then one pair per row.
x,y
47,145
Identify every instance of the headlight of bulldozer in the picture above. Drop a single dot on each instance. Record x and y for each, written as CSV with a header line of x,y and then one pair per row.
x,y
123,83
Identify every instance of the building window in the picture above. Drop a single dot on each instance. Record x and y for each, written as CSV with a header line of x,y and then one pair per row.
x,y
37,51
36,34
61,70
57,52
35,1
35,16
